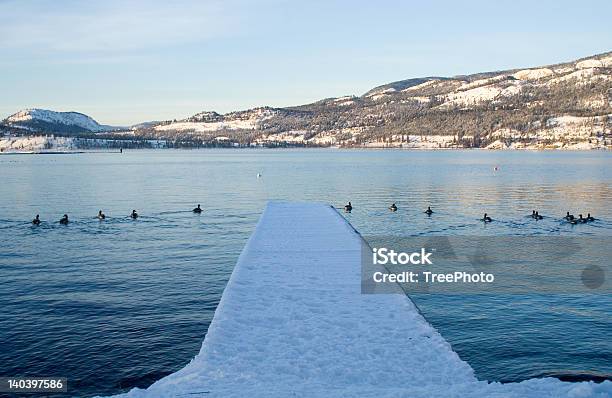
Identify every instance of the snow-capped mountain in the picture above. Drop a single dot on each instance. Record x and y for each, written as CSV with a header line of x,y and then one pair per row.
x,y
564,105
43,120
557,106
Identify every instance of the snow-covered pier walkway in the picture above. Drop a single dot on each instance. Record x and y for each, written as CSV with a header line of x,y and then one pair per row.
x,y
292,322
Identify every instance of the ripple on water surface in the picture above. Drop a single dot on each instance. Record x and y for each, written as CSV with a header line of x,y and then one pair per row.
x,y
120,303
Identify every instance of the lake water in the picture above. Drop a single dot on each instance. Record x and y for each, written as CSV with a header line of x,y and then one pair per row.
x,y
117,304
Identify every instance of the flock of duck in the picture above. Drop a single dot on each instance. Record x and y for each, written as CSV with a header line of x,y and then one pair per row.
x,y
101,216
348,208
534,214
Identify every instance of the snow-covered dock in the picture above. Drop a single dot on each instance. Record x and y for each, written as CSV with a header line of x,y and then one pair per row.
x,y
293,322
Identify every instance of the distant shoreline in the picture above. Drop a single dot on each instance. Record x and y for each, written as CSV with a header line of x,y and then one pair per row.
x,y
354,148
54,152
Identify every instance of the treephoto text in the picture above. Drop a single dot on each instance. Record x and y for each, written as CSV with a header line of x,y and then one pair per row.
x,y
383,256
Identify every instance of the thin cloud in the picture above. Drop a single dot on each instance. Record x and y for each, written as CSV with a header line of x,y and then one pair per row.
x,y
110,27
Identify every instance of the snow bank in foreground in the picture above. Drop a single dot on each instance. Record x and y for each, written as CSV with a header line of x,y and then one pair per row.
x,y
292,322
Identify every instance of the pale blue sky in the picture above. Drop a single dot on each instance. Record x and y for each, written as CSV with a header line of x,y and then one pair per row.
x,y
124,62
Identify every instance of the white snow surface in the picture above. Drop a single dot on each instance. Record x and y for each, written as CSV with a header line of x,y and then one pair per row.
x,y
472,96
532,74
345,98
204,127
35,143
246,121
292,322
421,100
67,118
589,63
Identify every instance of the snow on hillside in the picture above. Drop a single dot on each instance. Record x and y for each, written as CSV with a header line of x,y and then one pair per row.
x,y
482,82
50,143
562,132
573,121
24,117
429,141
204,127
206,116
465,105
417,99
606,61
590,63
347,100
422,85
236,121
375,96
473,96
581,76
511,90
533,74
294,137
35,143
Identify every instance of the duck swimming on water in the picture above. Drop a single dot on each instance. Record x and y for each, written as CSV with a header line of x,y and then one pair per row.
x,y
428,211
348,207
486,218
581,219
569,217
36,220
101,215
590,218
197,209
537,216
393,207
64,220
134,215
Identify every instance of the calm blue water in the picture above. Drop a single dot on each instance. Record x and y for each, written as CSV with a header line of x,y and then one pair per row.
x,y
121,303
